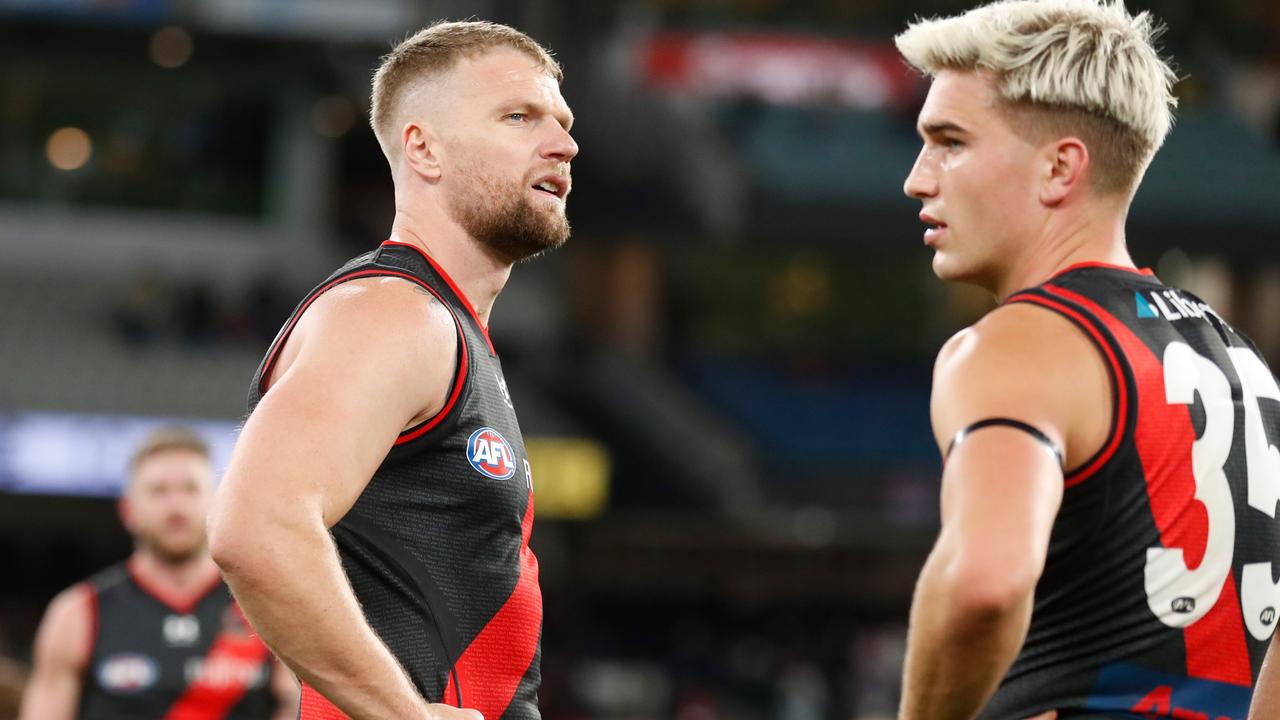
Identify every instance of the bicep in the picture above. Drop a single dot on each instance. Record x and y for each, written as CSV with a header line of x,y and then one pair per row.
x,y
61,653
359,376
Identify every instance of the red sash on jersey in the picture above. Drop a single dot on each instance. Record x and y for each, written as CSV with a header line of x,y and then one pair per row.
x,y
212,695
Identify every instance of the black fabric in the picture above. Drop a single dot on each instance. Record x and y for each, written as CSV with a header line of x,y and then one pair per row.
x,y
434,547
1027,428
1096,646
145,653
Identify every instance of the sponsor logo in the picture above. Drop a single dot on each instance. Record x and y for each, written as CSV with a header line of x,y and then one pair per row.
x,y
225,672
489,453
181,630
1170,305
126,673
1145,308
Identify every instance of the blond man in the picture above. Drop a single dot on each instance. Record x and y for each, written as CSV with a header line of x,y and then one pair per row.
x,y
157,635
1111,472
374,522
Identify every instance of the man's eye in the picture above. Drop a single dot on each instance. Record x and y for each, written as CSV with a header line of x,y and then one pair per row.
x,y
953,144
516,116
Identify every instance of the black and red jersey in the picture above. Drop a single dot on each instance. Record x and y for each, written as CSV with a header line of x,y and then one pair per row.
x,y
1158,596
153,657
437,545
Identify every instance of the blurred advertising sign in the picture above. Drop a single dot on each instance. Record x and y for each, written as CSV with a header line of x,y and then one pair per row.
x,y
780,69
142,11
49,453
330,19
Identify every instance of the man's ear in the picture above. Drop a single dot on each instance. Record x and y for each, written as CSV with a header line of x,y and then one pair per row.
x,y
421,148
1067,162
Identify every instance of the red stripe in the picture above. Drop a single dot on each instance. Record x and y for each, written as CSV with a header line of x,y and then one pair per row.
x,y
314,706
1121,410
180,605
224,679
462,297
1164,434
1107,266
491,668
455,393
458,383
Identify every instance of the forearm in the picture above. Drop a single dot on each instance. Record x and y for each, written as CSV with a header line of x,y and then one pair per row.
x,y
957,651
290,584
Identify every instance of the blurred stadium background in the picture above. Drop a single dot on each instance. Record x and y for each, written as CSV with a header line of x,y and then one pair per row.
x,y
725,373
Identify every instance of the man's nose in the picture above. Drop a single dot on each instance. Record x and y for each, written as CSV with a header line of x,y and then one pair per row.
x,y
920,182
561,147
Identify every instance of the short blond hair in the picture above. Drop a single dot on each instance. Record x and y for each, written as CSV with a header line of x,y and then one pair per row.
x,y
435,49
164,439
1069,66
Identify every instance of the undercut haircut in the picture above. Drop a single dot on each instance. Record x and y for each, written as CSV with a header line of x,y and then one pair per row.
x,y
164,439
1071,67
432,51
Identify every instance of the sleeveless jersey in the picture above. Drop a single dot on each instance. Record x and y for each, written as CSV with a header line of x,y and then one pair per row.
x,y
437,545
1157,598
152,658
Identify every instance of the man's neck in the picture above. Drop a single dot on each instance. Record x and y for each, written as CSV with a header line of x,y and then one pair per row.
x,y
476,272
180,578
1098,239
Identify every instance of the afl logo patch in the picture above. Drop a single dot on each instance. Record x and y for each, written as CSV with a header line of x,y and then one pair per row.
x,y
490,454
125,673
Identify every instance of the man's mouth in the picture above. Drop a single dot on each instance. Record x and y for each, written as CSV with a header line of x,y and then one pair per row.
x,y
555,185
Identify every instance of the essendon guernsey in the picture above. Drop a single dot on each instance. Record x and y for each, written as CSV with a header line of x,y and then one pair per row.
x,y
437,545
1159,594
154,658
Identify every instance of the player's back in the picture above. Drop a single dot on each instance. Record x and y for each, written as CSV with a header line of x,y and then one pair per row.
x,y
1157,598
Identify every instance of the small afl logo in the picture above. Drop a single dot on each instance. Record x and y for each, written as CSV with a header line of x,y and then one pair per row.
x,y
1183,605
125,673
1268,616
490,454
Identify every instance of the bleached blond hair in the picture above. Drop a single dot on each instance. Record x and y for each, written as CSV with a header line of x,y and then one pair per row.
x,y
431,51
1080,67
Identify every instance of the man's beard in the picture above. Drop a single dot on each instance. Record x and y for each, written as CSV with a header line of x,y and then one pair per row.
x,y
506,224
171,553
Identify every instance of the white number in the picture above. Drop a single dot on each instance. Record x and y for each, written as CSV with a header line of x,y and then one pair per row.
x,y
1177,595
1259,595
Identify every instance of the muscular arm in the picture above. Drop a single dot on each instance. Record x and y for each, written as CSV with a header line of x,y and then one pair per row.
x,y
62,650
1001,491
351,379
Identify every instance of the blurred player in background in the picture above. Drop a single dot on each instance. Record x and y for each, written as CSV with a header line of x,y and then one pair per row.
x,y
381,414
157,636
1111,473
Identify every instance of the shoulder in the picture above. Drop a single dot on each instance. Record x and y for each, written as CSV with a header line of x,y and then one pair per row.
x,y
379,305
66,632
386,324
1020,361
